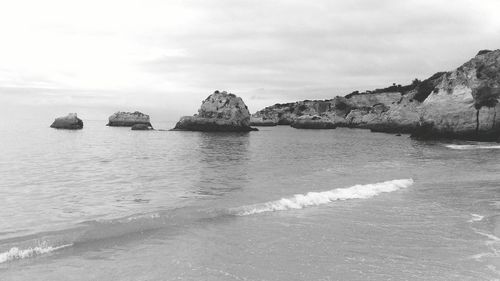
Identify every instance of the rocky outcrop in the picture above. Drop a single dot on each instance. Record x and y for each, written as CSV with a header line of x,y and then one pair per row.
x,y
221,111
70,122
285,114
459,104
141,127
262,122
313,122
376,111
128,119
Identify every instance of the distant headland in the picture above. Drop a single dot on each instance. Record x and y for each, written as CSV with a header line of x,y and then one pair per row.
x,y
460,104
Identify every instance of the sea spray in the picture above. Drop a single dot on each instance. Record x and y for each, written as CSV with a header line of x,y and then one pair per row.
x,y
300,201
16,254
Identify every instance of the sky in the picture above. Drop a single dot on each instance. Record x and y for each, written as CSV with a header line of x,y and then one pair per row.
x,y
165,57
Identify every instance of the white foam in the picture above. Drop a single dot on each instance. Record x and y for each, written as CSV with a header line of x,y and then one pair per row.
x,y
476,217
17,254
471,146
492,242
492,237
143,216
300,201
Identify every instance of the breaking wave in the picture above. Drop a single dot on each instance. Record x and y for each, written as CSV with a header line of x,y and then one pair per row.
x,y
39,244
471,146
29,246
476,217
16,254
300,201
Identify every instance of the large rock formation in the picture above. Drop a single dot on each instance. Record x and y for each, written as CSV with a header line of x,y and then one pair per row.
x,y
465,102
70,122
221,111
459,104
128,119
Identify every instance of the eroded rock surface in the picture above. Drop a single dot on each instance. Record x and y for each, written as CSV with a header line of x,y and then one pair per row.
x,y
221,111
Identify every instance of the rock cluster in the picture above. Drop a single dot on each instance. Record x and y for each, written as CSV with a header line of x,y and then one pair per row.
x,y
70,122
221,111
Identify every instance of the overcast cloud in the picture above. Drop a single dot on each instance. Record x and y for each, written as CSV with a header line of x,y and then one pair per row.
x,y
164,57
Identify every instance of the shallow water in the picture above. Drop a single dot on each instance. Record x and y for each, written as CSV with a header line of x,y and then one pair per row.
x,y
279,204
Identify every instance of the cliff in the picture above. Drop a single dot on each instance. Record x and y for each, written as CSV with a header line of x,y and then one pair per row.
x,y
465,102
459,104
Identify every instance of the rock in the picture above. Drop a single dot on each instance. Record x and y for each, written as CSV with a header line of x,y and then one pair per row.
x,y
465,103
221,111
70,122
313,122
128,119
260,121
141,127
460,104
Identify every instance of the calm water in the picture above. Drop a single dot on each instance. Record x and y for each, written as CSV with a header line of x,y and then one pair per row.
x,y
113,204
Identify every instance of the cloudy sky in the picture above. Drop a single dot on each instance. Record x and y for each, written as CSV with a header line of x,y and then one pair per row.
x,y
164,57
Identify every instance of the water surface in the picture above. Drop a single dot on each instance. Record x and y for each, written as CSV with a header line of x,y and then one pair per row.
x,y
279,204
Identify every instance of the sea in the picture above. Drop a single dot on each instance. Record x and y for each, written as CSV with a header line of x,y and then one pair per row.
x,y
108,203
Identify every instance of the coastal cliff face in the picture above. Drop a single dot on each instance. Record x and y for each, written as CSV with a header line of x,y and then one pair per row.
x,y
220,111
465,103
459,104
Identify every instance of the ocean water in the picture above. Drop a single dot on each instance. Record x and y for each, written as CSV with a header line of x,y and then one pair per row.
x,y
279,204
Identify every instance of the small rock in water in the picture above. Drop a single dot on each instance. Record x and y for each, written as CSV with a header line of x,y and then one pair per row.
x,y
69,122
128,119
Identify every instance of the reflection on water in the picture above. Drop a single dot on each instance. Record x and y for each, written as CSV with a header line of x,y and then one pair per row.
x,y
223,160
